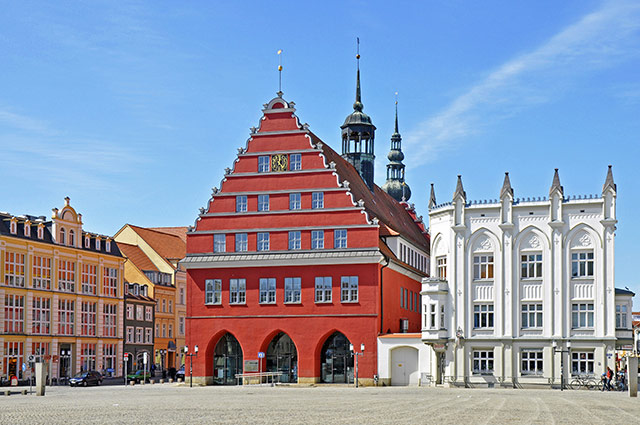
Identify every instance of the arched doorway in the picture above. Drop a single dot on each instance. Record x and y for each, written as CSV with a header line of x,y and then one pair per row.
x,y
227,360
282,356
337,360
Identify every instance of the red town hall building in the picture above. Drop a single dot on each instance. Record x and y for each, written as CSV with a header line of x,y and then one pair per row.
x,y
299,258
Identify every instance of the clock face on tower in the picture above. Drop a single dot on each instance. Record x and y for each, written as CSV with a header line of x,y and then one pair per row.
x,y
279,162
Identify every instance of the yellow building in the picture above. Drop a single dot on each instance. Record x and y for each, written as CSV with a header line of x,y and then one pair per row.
x,y
153,256
61,296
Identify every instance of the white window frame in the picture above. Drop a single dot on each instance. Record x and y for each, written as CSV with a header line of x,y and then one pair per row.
x,y
41,270
14,269
582,315
340,238
66,276
237,291
130,312
349,288
531,361
483,362
531,265
532,316
219,242
317,200
483,316
441,267
295,201
621,316
41,319
14,313
582,363
267,290
317,239
241,203
295,162
213,291
292,290
263,202
583,264
295,240
242,242
323,289
89,279
264,164
483,267
263,241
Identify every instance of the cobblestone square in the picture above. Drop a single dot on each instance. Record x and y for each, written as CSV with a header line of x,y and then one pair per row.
x,y
179,404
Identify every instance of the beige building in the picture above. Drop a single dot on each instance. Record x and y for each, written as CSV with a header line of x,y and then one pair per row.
x,y
61,296
153,256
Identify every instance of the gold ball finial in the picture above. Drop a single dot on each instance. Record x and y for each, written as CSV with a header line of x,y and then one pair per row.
x,y
357,56
279,67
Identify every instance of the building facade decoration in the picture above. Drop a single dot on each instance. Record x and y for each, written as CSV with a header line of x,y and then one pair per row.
x,y
303,262
508,296
61,296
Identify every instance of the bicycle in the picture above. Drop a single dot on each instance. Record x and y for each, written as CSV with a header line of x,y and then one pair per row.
x,y
584,382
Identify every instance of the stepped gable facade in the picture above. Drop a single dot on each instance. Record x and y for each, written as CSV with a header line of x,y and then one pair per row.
x,y
296,259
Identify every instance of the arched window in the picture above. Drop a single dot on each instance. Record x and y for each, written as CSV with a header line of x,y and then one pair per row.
x,y
13,227
72,237
40,232
27,230
62,236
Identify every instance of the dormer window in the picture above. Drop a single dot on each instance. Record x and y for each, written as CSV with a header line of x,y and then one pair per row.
x,y
13,227
72,237
87,241
97,244
41,232
107,246
62,236
27,229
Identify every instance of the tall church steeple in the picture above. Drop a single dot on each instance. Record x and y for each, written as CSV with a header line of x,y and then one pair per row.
x,y
395,184
358,133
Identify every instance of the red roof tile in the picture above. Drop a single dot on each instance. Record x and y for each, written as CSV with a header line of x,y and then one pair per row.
x,y
167,245
181,232
136,256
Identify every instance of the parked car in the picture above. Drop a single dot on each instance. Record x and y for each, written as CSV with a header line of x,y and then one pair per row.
x,y
90,377
180,373
138,376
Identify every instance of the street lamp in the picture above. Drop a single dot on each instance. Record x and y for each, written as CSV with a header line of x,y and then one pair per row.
x,y
561,351
356,355
190,355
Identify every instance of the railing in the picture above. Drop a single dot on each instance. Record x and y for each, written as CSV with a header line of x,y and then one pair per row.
x,y
256,378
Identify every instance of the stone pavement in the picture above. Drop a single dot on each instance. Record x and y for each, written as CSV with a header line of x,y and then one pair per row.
x,y
179,404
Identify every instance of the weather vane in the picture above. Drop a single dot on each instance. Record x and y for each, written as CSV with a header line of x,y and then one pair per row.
x,y
280,72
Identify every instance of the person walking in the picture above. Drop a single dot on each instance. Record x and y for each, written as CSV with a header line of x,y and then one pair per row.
x,y
607,379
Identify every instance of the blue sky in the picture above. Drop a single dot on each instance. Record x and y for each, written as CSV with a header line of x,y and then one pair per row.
x,y
134,109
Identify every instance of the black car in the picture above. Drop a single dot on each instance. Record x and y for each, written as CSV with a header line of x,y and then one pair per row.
x,y
86,378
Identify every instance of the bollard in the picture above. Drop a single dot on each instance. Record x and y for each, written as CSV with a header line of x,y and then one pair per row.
x,y
171,380
179,380
24,392
161,381
41,378
7,392
132,383
632,367
152,381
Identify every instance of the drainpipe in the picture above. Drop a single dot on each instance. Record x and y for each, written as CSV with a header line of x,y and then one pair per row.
x,y
381,295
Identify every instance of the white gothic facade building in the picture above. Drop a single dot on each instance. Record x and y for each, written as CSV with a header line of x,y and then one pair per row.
x,y
522,290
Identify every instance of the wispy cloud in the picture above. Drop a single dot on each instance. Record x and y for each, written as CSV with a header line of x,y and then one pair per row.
x,y
23,122
598,40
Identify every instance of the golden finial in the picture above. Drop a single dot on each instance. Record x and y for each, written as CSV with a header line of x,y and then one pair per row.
x,y
358,49
396,98
280,71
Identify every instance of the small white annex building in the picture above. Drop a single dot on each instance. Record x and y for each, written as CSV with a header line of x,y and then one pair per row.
x,y
522,290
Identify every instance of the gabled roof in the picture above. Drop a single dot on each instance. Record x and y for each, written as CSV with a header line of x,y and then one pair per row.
x,y
167,245
181,232
137,257
377,202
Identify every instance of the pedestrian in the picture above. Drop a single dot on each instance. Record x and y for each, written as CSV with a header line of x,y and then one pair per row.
x,y
607,380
